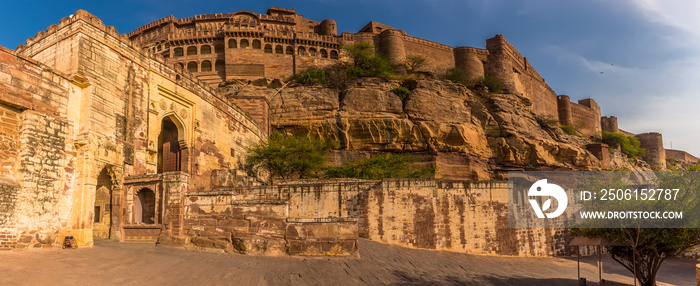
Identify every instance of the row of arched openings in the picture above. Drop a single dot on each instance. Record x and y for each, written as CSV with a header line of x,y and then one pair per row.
x,y
204,66
256,44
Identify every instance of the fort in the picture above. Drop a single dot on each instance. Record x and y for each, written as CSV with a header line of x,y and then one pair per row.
x,y
123,136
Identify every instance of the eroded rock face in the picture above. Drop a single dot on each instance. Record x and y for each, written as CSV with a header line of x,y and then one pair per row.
x,y
468,135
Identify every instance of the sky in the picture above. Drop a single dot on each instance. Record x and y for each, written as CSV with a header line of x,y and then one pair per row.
x,y
639,59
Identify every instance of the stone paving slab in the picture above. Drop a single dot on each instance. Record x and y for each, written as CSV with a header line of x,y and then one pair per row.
x,y
113,263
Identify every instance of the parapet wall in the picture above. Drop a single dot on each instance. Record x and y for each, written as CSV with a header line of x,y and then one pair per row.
x,y
442,215
518,76
682,157
584,116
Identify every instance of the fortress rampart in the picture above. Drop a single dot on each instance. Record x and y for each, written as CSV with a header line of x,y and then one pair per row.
x,y
244,44
122,136
655,154
609,123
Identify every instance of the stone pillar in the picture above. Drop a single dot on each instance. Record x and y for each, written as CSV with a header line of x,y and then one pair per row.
x,y
174,187
116,230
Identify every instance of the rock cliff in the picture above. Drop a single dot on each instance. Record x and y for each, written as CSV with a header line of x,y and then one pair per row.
x,y
468,134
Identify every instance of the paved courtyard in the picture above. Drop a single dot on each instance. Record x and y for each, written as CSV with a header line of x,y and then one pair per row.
x,y
112,263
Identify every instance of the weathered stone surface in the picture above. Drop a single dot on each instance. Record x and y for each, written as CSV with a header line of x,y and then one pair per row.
x,y
495,131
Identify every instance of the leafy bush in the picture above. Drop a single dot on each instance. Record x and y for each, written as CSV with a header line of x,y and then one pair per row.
x,y
366,63
414,63
310,76
381,167
628,144
402,92
457,76
568,129
495,85
288,156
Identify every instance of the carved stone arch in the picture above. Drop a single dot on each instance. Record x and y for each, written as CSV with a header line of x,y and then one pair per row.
x,y
173,144
115,174
181,126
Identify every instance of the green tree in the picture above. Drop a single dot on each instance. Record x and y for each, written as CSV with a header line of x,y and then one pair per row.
x,y
402,92
390,165
289,156
366,63
629,145
414,63
643,250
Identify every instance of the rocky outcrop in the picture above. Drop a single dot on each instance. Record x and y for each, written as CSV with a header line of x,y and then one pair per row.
x,y
467,134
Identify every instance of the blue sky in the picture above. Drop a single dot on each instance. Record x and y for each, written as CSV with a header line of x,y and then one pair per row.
x,y
639,59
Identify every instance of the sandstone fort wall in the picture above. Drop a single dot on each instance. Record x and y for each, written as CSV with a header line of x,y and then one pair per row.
x,y
38,158
120,110
443,215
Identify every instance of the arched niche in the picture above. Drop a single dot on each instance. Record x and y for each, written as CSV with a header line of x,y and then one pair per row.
x,y
102,213
172,144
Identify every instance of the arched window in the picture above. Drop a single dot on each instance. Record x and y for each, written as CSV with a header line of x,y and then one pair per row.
x,y
244,44
312,52
192,66
206,66
232,44
206,50
278,49
324,53
181,66
219,48
268,49
334,55
256,44
191,50
178,52
301,51
290,50
220,66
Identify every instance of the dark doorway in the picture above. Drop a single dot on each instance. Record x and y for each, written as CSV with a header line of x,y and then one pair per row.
x,y
145,207
169,154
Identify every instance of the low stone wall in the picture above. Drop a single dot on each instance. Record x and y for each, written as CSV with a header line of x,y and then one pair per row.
x,y
329,236
325,217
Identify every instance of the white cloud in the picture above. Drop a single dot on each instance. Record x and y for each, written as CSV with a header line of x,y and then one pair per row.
x,y
681,14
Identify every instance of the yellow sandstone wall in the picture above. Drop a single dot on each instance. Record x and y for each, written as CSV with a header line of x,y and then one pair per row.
x,y
110,120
